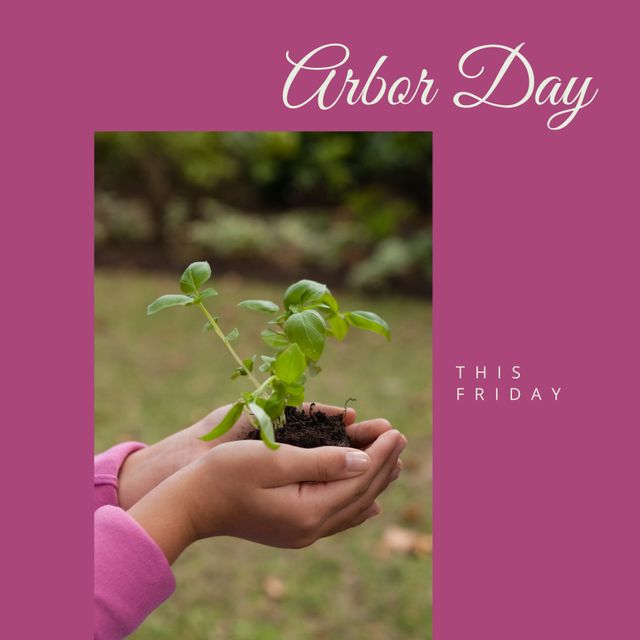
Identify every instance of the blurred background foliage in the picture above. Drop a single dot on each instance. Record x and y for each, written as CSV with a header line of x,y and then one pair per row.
x,y
355,206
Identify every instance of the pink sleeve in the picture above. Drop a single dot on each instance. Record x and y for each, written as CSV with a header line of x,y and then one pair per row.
x,y
106,467
131,574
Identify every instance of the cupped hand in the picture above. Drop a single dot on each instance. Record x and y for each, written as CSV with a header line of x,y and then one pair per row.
x,y
292,496
285,498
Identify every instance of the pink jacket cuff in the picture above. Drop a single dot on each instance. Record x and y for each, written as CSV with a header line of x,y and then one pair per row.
x,y
106,467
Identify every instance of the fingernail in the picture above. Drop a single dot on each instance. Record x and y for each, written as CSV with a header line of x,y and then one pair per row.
x,y
357,461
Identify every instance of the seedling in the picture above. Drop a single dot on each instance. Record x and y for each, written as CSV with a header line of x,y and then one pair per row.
x,y
296,335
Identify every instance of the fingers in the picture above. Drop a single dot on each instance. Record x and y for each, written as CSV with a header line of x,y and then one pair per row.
x,y
364,433
357,512
291,465
395,474
331,410
366,514
351,511
383,454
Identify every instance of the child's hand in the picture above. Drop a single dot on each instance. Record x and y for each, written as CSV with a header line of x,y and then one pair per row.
x,y
148,467
284,498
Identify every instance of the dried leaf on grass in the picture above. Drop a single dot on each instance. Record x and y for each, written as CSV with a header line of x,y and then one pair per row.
x,y
398,540
412,514
274,588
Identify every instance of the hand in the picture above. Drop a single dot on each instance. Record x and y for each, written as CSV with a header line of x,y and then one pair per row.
x,y
148,467
284,498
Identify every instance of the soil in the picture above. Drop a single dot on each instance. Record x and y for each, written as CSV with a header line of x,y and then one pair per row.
x,y
309,430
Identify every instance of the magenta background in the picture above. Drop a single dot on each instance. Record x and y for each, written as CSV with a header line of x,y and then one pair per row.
x,y
536,263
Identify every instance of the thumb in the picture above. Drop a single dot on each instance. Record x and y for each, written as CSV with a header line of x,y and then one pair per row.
x,y
322,464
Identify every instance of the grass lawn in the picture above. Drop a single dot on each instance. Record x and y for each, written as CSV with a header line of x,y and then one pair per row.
x,y
154,375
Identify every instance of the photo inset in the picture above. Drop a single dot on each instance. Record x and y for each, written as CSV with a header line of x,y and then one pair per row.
x,y
263,384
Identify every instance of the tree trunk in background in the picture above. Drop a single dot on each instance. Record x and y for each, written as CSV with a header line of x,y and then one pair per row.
x,y
157,190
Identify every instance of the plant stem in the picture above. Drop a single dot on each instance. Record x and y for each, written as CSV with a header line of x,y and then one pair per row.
x,y
222,337
262,388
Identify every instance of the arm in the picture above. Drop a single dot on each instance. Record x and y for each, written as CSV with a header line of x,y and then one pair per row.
x,y
236,488
131,574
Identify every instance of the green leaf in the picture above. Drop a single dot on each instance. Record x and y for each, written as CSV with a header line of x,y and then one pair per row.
x,y
290,364
369,321
267,361
242,371
207,293
226,423
323,308
274,405
274,339
304,292
307,328
338,326
194,276
232,335
265,306
313,368
269,439
208,326
295,395
170,300
265,424
330,301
